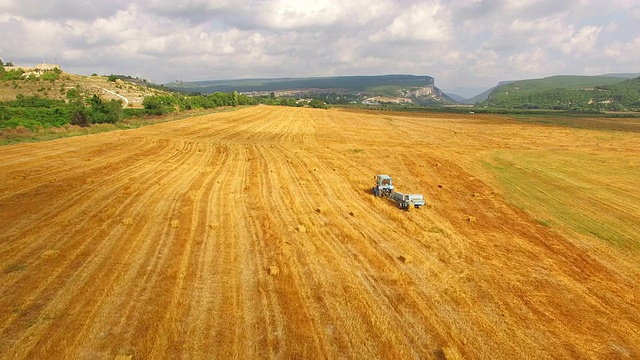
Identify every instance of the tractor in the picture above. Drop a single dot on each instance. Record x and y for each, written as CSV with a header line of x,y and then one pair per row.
x,y
384,189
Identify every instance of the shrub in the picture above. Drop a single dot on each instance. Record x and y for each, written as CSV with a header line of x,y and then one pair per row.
x,y
159,105
50,75
15,74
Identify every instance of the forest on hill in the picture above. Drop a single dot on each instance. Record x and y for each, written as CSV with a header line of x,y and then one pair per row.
x,y
570,93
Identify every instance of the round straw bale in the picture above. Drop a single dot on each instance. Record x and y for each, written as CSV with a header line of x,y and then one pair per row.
x,y
273,270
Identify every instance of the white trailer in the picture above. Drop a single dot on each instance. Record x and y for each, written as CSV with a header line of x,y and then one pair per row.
x,y
406,201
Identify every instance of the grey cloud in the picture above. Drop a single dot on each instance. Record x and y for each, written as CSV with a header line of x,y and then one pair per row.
x,y
483,11
61,10
192,12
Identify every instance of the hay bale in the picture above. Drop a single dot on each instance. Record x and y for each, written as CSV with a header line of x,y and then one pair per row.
x,y
440,186
273,270
439,354
352,213
127,222
49,254
471,219
175,223
404,259
301,229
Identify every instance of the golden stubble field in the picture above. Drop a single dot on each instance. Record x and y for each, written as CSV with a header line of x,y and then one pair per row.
x,y
253,234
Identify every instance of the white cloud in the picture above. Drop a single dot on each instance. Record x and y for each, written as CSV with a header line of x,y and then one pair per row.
x,y
583,40
623,53
456,41
529,62
421,22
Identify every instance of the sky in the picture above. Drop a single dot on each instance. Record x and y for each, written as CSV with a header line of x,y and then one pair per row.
x,y
466,45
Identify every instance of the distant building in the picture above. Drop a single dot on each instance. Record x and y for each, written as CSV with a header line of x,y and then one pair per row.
x,y
370,101
46,67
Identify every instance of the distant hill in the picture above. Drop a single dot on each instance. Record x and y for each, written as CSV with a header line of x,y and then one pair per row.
x,y
559,81
566,92
482,94
457,98
623,75
374,89
485,95
480,97
352,83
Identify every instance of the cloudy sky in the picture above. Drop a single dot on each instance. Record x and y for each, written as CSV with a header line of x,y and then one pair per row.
x,y
462,43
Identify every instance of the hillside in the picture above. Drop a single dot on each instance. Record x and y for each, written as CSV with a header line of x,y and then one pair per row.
x,y
31,82
593,93
418,89
37,102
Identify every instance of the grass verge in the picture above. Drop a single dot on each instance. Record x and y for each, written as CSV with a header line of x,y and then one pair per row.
x,y
592,194
20,134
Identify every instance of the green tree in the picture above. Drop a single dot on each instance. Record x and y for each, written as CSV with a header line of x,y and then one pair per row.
x,y
73,94
159,105
114,111
235,98
104,112
317,104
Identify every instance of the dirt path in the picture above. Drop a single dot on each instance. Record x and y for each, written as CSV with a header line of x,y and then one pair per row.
x,y
125,101
252,234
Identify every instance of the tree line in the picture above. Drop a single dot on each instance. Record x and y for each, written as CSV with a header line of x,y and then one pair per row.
x,y
35,111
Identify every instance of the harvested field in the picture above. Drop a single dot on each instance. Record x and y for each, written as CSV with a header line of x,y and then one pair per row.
x,y
254,234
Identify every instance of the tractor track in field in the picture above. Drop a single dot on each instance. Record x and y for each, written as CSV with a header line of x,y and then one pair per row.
x,y
254,234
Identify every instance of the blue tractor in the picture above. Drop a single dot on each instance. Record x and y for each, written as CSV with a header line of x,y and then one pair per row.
x,y
384,186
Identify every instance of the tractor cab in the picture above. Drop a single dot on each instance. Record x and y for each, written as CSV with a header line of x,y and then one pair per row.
x,y
384,181
384,185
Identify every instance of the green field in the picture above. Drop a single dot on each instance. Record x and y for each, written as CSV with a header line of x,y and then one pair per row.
x,y
580,191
